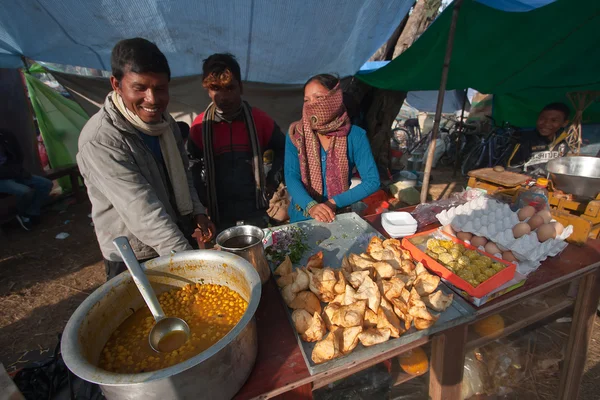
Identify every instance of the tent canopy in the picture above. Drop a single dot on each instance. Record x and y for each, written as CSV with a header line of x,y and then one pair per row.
x,y
526,59
275,42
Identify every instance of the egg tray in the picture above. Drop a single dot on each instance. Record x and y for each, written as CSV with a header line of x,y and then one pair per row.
x,y
494,220
484,288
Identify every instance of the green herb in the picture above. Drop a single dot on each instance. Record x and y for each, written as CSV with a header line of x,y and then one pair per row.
x,y
290,241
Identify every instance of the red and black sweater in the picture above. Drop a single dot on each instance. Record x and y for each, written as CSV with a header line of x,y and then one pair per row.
x,y
233,161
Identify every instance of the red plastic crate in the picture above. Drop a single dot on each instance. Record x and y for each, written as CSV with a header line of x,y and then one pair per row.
x,y
483,289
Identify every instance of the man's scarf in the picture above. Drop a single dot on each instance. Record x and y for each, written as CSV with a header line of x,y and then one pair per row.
x,y
213,115
170,152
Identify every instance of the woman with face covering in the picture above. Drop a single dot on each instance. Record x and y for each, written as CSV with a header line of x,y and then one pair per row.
x,y
322,150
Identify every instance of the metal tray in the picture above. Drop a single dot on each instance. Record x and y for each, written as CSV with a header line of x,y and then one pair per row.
x,y
351,234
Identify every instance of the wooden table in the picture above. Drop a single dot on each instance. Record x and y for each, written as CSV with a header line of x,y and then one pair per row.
x,y
280,370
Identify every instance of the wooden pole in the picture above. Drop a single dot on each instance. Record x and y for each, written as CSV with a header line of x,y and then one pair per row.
x,y
440,100
461,131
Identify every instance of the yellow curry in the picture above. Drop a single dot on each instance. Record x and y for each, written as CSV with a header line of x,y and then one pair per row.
x,y
211,311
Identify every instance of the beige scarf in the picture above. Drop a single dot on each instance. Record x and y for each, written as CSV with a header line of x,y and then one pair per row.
x,y
170,152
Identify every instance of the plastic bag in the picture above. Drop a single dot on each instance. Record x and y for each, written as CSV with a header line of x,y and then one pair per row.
x,y
425,213
472,382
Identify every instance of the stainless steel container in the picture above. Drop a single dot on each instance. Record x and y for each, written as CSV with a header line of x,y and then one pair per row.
x,y
246,242
216,373
579,176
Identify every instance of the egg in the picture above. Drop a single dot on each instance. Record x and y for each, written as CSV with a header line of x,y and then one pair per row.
x,y
558,227
545,214
535,222
478,241
448,229
526,212
521,229
545,232
464,236
508,256
491,248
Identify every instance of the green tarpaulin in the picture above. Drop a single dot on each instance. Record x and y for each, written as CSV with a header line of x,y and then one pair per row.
x,y
526,59
60,121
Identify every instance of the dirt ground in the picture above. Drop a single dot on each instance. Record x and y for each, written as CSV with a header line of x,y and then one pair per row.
x,y
44,279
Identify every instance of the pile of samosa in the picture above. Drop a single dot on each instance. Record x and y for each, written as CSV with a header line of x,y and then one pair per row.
x,y
373,296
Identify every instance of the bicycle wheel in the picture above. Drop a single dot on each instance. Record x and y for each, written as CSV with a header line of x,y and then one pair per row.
x,y
402,137
474,159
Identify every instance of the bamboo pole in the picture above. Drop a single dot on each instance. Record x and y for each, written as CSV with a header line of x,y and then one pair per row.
x,y
440,100
461,132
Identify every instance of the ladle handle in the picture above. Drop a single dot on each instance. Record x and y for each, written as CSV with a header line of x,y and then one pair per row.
x,y
139,277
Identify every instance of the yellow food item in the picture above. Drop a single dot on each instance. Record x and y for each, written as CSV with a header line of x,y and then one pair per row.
x,y
431,254
438,250
464,261
489,272
453,266
487,262
466,274
471,254
460,247
491,326
497,266
414,362
431,243
210,310
455,253
447,244
446,258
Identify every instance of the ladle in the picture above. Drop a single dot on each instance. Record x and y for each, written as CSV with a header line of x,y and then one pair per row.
x,y
164,325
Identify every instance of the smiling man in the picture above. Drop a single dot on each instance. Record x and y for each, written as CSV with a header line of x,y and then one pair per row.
x,y
132,158
535,148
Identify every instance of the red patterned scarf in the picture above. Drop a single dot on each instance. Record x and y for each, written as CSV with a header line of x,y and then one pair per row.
x,y
326,116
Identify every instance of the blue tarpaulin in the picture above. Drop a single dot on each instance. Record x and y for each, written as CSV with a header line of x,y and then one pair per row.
x,y
275,41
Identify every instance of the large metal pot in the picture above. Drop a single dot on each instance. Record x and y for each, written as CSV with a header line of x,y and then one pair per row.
x,y
247,242
579,176
218,372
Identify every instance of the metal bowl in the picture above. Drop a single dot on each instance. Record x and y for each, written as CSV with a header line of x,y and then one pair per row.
x,y
220,370
579,176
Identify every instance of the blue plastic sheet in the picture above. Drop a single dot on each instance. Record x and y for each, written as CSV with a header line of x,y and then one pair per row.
x,y
274,41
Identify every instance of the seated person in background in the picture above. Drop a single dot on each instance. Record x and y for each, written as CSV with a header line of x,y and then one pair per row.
x,y
31,191
230,137
321,151
546,142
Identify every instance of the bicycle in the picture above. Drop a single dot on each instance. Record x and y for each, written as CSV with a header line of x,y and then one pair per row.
x,y
491,149
403,137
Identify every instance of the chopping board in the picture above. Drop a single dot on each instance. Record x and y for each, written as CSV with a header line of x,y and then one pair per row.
x,y
504,178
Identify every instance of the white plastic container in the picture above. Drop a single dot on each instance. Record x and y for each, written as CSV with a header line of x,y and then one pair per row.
x,y
398,223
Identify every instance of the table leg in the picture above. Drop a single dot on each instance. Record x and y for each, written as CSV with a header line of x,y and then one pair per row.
x,y
75,187
580,335
447,364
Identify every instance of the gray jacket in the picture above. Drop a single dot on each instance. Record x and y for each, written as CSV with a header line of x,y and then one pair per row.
x,y
128,188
